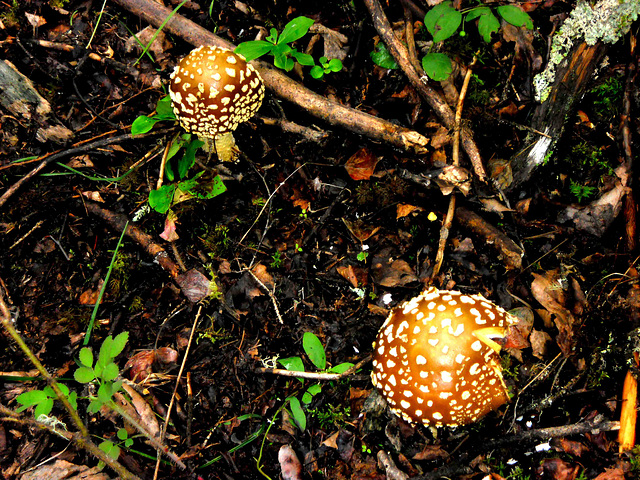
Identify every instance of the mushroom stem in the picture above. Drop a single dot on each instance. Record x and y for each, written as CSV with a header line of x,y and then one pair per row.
x,y
226,148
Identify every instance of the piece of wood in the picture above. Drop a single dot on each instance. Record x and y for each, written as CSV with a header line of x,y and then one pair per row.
x,y
572,79
19,96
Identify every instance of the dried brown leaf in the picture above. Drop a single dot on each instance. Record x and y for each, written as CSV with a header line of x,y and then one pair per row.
x,y
361,165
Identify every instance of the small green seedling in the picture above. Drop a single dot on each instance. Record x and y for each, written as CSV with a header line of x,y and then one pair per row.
x,y
580,191
315,352
103,373
284,55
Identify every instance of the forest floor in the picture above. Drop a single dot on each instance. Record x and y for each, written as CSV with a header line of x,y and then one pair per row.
x,y
318,230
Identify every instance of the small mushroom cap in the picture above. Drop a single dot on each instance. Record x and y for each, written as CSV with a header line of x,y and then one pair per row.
x,y
435,361
213,90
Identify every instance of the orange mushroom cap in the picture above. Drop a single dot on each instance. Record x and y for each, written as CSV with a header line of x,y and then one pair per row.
x,y
213,90
436,362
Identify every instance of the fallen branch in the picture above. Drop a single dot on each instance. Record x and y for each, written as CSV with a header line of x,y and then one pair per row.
x,y
283,86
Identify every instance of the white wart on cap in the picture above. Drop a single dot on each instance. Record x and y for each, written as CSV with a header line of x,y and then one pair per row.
x,y
435,361
212,91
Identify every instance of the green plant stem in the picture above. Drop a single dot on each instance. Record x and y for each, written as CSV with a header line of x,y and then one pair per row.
x,y
264,439
79,440
87,336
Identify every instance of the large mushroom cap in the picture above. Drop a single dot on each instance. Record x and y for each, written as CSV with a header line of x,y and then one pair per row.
x,y
435,360
213,90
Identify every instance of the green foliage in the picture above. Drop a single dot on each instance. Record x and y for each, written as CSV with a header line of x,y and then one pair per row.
x,y
315,352
580,191
443,21
164,112
43,399
381,57
104,372
168,195
331,416
608,97
284,55
276,260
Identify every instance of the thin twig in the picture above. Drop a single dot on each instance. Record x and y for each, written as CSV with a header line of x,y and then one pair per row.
x,y
175,388
270,293
325,376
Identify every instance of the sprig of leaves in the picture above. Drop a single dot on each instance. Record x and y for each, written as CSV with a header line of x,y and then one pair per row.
x,y
144,123
443,21
315,352
284,55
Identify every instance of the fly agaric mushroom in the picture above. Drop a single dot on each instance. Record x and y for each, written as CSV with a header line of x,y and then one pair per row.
x,y
436,362
212,91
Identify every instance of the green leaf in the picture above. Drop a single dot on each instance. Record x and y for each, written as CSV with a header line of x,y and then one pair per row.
x,y
73,400
437,66
317,72
381,57
189,157
122,434
254,49
341,368
488,25
94,406
104,392
104,356
28,399
292,363
143,124
43,408
119,343
314,350
295,29
84,375
217,187
86,357
110,448
160,199
110,372
335,64
298,413
128,442
303,58
164,108
313,390
515,16
442,21
477,12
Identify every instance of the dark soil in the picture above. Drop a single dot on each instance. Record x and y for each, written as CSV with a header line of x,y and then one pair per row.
x,y
323,247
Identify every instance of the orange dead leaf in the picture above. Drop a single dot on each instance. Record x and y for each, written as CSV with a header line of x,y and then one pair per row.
x,y
404,209
361,164
356,276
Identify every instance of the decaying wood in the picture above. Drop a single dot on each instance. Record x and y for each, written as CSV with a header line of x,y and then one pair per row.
x,y
549,117
510,252
283,86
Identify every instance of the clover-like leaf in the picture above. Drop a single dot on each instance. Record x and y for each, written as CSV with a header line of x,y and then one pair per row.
x,y
86,357
487,26
437,66
515,16
84,375
110,372
442,21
